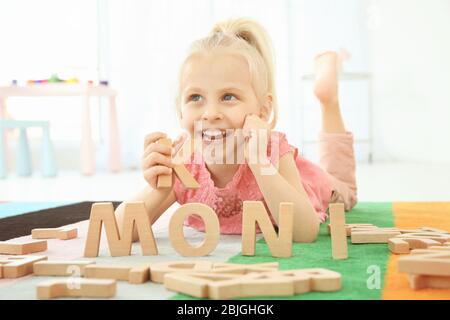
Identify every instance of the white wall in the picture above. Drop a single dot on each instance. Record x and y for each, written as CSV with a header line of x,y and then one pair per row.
x,y
404,43
411,65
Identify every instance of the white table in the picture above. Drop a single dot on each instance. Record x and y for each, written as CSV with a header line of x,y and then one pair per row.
x,y
87,154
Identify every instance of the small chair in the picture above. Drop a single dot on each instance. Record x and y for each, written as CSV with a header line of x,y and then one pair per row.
x,y
24,165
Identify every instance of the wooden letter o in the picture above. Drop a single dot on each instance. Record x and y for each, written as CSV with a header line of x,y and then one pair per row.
x,y
212,230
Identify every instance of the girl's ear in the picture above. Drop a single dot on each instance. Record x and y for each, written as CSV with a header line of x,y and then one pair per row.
x,y
266,108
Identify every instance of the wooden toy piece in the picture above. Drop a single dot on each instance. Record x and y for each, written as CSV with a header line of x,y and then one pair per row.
x,y
131,274
237,268
159,269
373,236
164,180
277,283
254,213
88,288
55,233
350,226
404,245
23,247
432,249
135,215
418,281
420,240
107,272
212,230
186,177
18,266
61,268
435,230
139,274
338,234
195,284
321,280
433,264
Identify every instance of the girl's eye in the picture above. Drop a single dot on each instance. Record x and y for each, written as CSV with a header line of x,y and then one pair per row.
x,y
195,97
229,97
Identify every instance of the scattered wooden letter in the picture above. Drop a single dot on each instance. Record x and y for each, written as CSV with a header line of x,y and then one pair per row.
x,y
79,287
132,274
212,230
61,268
421,240
18,266
338,233
54,233
159,269
186,178
22,247
433,264
135,215
254,213
418,281
275,283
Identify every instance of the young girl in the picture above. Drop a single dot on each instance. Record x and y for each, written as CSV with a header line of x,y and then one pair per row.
x,y
227,83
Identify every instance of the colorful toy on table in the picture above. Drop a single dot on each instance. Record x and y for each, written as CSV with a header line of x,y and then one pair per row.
x,y
53,79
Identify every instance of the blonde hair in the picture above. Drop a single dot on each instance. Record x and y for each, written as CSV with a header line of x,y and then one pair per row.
x,y
249,39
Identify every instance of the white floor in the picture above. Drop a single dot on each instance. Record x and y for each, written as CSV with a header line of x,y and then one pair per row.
x,y
377,182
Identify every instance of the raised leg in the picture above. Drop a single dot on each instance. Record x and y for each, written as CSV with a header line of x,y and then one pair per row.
x,y
326,90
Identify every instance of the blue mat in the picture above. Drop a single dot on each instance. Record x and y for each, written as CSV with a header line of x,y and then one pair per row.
x,y
9,209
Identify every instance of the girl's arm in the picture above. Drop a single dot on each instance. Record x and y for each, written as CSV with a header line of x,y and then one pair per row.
x,y
284,185
156,202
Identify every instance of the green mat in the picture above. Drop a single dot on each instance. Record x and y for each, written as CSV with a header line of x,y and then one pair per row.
x,y
355,271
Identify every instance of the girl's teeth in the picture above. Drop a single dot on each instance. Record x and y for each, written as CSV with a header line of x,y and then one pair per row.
x,y
213,134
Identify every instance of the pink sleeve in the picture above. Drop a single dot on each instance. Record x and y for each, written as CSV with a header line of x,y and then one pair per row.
x,y
279,146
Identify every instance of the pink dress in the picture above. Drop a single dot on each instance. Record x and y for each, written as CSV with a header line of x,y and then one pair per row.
x,y
227,202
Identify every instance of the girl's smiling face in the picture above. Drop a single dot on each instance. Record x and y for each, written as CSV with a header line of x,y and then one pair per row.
x,y
216,91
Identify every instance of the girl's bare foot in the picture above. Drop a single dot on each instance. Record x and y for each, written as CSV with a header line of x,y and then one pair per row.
x,y
326,84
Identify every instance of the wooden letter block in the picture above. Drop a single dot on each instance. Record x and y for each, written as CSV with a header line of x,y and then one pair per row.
x,y
159,269
433,264
373,236
350,226
418,282
135,215
55,233
88,288
18,266
421,240
195,284
61,268
212,230
432,249
254,213
275,283
131,274
338,233
23,247
236,268
164,180
186,178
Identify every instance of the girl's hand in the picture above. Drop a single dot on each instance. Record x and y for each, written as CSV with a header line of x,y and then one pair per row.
x,y
253,130
157,158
